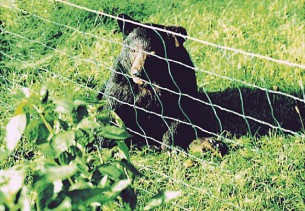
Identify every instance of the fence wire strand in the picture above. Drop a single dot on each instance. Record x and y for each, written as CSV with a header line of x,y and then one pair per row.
x,y
173,203
122,102
157,141
170,60
278,127
291,64
201,190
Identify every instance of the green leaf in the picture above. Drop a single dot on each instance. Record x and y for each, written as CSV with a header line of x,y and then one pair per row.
x,y
80,185
43,134
66,158
73,154
31,131
161,199
3,200
130,167
47,150
45,193
79,103
11,182
112,171
90,195
3,154
122,147
14,131
62,142
88,124
117,119
54,173
64,106
63,124
113,132
25,199
26,91
120,185
129,170
107,154
103,181
20,94
21,107
103,116
49,114
82,166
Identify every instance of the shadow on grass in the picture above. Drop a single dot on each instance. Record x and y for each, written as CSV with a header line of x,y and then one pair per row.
x,y
264,108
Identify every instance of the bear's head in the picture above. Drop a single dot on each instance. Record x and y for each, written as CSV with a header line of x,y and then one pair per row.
x,y
147,49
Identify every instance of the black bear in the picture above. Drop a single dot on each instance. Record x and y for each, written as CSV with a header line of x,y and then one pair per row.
x,y
152,85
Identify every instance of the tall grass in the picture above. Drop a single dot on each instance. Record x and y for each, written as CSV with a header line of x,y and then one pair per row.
x,y
258,174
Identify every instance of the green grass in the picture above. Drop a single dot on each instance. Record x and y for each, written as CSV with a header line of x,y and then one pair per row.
x,y
258,174
268,176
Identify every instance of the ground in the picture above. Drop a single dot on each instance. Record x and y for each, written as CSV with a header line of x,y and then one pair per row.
x,y
259,173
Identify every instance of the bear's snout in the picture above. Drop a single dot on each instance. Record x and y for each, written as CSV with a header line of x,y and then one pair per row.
x,y
137,71
138,63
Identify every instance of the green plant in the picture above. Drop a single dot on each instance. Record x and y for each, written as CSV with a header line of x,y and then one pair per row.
x,y
65,173
266,173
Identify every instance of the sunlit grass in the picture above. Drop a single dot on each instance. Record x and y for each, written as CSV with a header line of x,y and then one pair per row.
x,y
266,173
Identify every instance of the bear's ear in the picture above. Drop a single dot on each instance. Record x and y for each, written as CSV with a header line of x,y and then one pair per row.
x,y
126,27
180,30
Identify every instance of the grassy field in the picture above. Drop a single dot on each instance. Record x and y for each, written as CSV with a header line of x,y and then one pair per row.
x,y
265,173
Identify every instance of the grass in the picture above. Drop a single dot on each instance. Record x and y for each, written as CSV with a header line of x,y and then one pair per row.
x,y
252,178
264,173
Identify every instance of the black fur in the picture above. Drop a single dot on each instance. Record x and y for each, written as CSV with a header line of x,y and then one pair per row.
x,y
122,87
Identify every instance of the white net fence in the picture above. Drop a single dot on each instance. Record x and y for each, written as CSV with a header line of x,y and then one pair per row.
x,y
249,109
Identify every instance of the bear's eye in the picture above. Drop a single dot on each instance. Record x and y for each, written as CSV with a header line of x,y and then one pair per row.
x,y
133,50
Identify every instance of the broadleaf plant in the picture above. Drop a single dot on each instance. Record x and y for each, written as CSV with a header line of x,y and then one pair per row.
x,y
61,130
70,169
